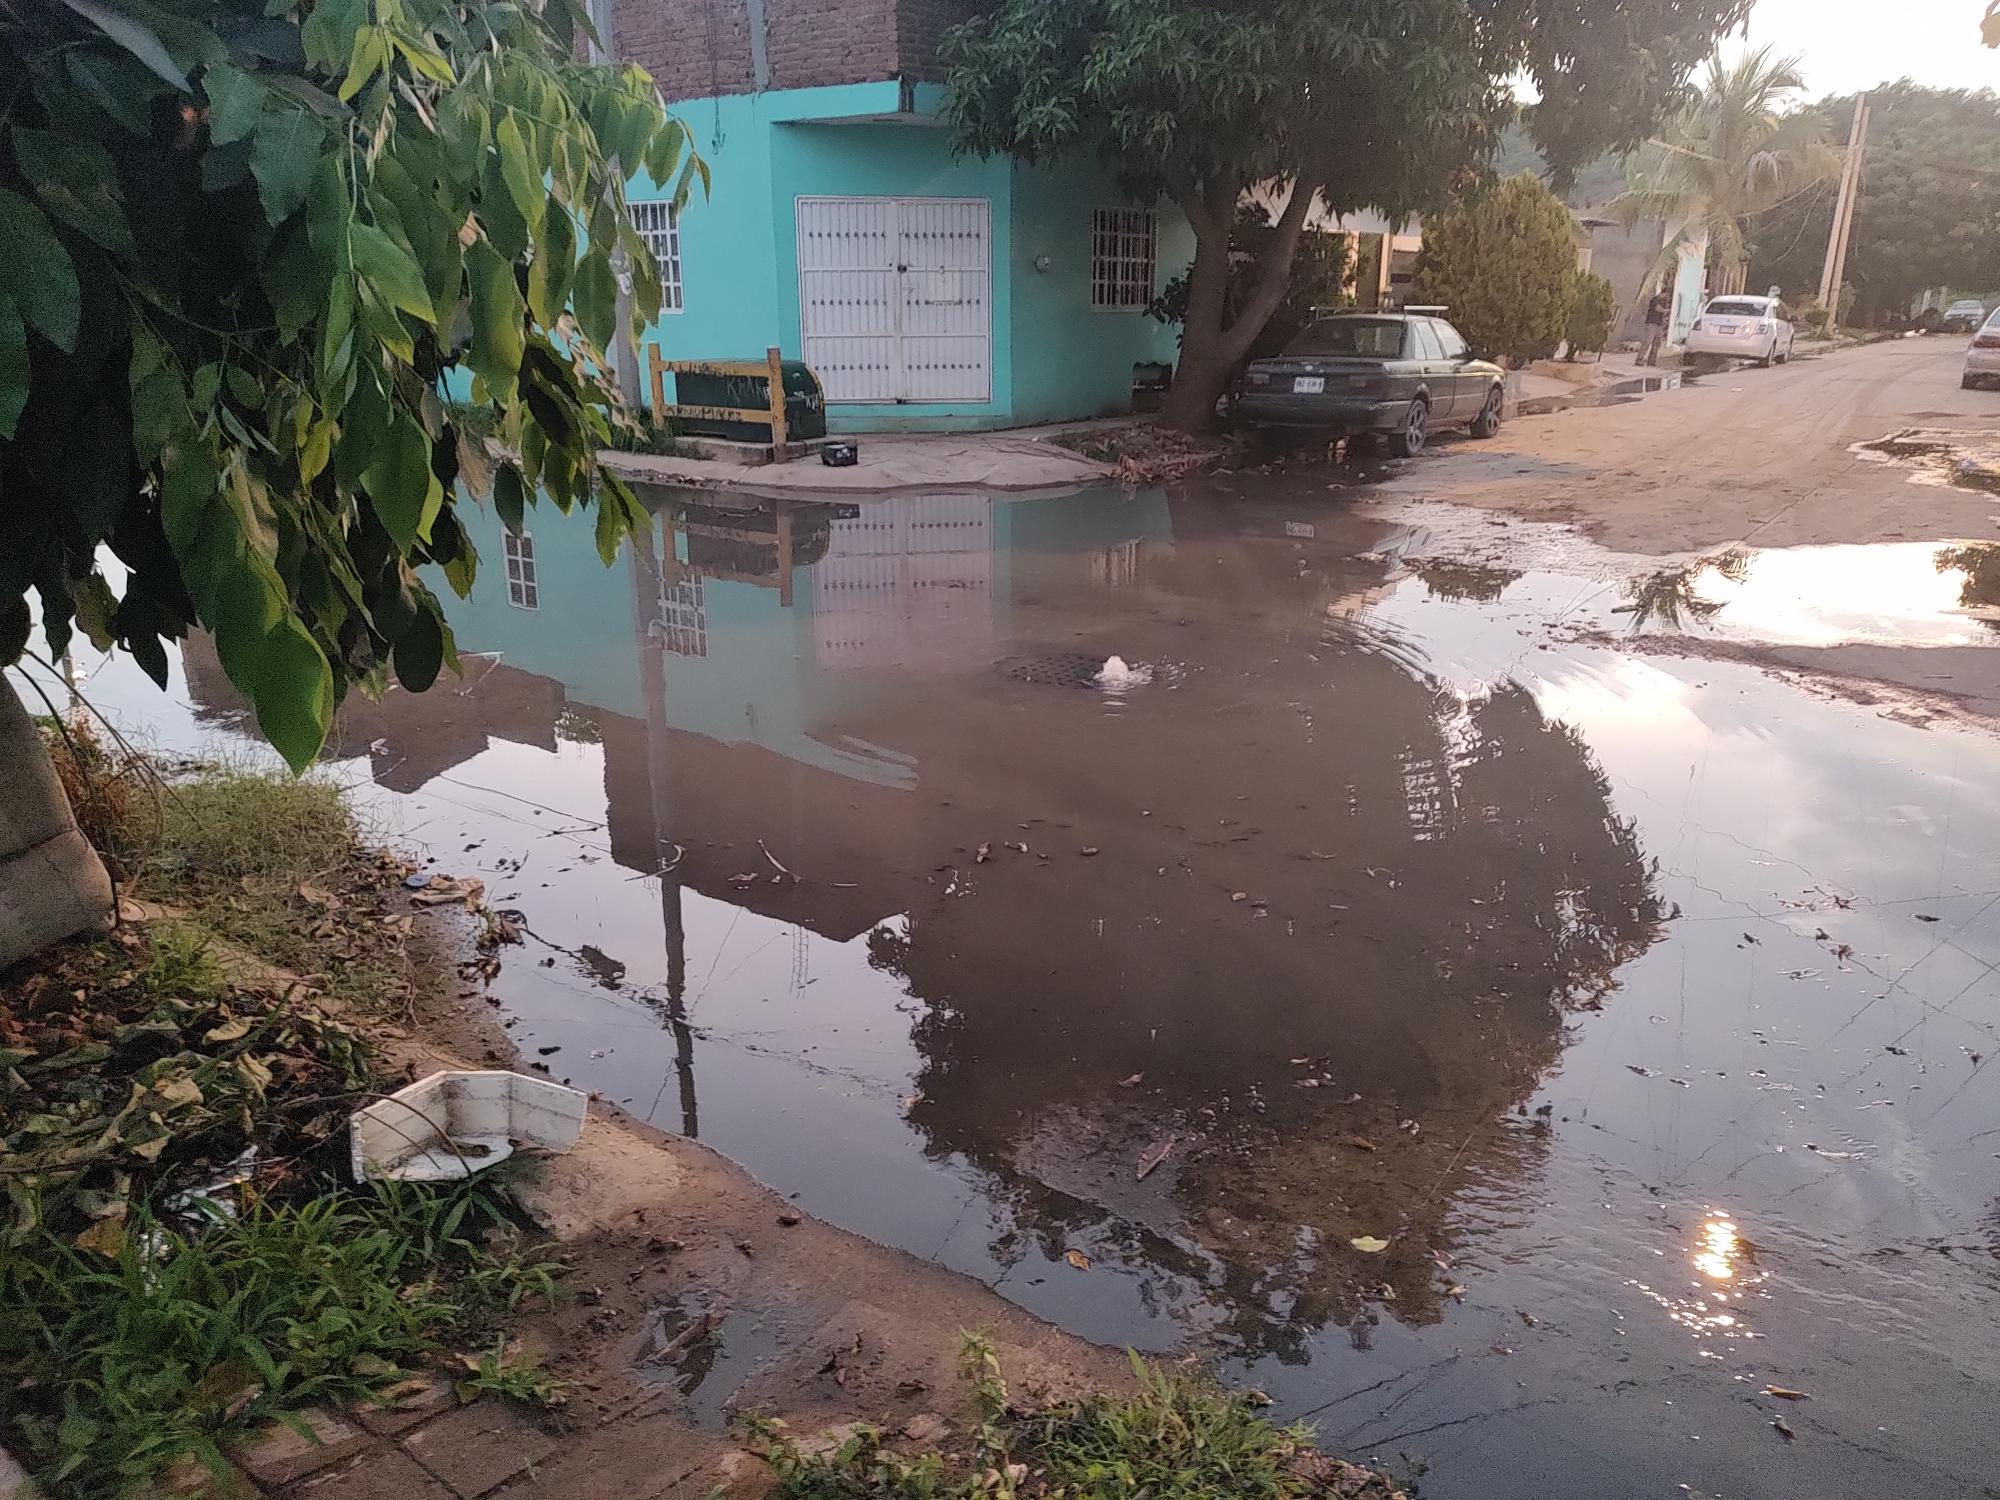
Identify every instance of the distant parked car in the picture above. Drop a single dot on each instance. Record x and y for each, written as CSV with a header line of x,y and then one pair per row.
x,y
1963,316
1982,356
1403,375
1739,327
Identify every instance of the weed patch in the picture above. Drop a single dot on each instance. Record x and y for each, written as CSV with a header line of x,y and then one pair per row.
x,y
205,1327
1176,1437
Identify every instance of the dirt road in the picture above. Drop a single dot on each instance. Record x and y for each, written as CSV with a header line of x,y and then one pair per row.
x,y
1748,455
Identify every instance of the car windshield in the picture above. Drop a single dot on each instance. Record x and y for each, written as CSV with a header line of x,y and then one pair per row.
x,y
1378,338
1737,307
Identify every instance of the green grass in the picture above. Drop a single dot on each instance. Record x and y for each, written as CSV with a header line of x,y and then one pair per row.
x,y
114,1368
1175,1436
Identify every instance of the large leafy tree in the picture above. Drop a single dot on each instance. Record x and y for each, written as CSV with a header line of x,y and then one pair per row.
x,y
1350,103
252,250
1503,261
1929,210
1735,151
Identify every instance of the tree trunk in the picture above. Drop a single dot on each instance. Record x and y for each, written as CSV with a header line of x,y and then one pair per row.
x,y
52,883
1210,348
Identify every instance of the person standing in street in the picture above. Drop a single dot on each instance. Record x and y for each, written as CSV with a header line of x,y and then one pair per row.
x,y
1658,311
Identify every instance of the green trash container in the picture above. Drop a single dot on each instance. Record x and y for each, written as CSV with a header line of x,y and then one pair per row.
x,y
805,403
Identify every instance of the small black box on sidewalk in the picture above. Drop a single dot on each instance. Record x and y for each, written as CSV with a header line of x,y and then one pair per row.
x,y
840,454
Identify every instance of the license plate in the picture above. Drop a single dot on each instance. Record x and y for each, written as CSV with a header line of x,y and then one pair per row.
x,y
1308,385
1725,328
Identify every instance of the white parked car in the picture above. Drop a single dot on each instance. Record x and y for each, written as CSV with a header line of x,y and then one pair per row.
x,y
1982,355
1740,327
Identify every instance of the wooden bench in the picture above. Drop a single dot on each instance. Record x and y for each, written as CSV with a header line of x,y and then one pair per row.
x,y
771,369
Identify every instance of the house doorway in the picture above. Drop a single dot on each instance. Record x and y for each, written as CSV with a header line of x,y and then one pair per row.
x,y
895,297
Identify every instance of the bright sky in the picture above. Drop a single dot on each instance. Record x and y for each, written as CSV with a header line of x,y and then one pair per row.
x,y
1849,45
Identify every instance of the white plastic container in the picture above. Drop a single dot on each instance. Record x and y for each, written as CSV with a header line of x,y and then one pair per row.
x,y
453,1124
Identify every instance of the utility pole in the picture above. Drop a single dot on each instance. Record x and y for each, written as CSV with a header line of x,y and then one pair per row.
x,y
623,353
1835,266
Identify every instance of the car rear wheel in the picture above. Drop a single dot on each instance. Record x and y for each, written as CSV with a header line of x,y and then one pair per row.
x,y
1770,356
1409,439
1488,421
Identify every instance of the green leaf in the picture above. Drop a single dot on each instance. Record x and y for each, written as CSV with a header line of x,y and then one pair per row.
x,y
554,266
39,272
524,183
77,182
235,99
294,279
420,651
391,271
400,483
369,57
13,367
509,498
498,339
135,37
291,685
595,295
284,153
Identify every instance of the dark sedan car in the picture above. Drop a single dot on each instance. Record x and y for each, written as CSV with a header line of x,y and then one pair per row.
x,y
1403,375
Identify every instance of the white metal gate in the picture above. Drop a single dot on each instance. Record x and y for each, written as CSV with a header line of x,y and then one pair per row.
x,y
895,297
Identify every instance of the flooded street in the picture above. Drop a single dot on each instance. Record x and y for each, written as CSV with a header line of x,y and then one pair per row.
x,y
1510,1049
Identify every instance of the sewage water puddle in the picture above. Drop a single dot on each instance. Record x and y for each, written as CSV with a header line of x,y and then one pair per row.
x,y
1511,1052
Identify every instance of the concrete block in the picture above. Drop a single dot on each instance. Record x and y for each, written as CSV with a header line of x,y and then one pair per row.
x,y
383,1474
477,1448
278,1455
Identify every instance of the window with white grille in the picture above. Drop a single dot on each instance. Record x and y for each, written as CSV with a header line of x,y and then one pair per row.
x,y
660,225
524,591
1122,247
683,616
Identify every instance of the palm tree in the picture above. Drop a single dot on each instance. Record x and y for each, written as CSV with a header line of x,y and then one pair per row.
x,y
1734,151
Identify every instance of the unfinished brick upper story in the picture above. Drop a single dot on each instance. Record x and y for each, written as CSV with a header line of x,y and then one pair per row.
x,y
696,49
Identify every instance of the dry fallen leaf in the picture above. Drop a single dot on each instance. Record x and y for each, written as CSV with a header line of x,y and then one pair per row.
x,y
1784,1429
1078,1259
318,897
1133,1082
982,854
1367,1244
1786,1393
1358,1142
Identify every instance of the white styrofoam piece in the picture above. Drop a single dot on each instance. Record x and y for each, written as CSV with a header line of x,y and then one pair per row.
x,y
434,1129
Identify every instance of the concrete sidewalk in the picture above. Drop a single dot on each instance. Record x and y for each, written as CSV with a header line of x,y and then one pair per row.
x,y
1016,461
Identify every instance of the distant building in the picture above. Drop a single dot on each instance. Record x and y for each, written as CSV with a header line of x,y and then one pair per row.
x,y
928,290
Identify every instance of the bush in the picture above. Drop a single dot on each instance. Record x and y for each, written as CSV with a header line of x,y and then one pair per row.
x,y
1591,311
1504,263
1811,316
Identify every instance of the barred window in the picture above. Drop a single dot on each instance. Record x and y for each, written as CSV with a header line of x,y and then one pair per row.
x,y
1122,245
660,225
523,589
683,616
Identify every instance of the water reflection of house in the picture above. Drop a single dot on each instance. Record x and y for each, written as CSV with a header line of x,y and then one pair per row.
x,y
907,581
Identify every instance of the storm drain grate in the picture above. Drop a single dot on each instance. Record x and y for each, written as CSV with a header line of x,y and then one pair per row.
x,y
1054,668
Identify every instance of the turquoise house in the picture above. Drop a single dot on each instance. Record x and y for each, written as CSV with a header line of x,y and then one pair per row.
x,y
928,291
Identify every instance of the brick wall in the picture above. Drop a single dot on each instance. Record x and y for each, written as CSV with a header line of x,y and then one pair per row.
x,y
919,26
815,42
693,48
697,48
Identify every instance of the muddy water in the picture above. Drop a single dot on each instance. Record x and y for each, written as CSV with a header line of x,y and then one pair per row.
x,y
1511,1053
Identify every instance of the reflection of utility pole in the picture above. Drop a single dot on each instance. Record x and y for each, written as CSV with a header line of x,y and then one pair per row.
x,y
1835,266
646,576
